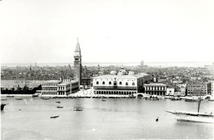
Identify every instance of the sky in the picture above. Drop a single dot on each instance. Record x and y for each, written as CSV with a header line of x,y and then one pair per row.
x,y
46,31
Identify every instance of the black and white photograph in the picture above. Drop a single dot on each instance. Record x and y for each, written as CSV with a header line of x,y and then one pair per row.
x,y
107,69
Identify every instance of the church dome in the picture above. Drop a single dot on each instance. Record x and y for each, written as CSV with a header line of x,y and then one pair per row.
x,y
113,72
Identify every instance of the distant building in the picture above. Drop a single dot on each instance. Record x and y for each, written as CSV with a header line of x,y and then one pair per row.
x,y
210,88
86,80
120,84
78,63
155,89
59,88
14,84
142,64
196,88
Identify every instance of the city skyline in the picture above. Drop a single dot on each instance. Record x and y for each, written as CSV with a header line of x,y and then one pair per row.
x,y
114,31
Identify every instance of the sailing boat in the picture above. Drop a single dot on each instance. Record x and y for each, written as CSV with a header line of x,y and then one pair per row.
x,y
194,116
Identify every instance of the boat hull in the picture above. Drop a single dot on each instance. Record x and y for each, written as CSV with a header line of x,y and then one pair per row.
x,y
193,116
198,119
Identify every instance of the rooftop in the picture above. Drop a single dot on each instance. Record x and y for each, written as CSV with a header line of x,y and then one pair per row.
x,y
155,84
122,76
68,82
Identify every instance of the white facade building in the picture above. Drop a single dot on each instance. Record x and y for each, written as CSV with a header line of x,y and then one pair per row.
x,y
120,84
59,88
155,89
170,91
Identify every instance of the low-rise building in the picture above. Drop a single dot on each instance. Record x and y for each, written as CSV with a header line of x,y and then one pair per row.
x,y
155,89
170,91
181,89
59,88
210,88
120,84
196,88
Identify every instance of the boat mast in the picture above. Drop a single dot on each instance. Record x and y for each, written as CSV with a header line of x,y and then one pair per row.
x,y
199,103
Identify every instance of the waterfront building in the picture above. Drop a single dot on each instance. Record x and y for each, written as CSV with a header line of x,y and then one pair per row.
x,y
181,89
59,88
50,88
121,83
196,88
210,88
170,91
15,84
155,89
78,63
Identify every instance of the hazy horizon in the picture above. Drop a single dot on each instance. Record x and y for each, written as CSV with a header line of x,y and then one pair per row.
x,y
156,64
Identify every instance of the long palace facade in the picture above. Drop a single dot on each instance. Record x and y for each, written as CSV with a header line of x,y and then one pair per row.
x,y
120,83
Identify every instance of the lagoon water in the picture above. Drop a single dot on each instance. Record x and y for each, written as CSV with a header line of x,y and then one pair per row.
x,y
123,119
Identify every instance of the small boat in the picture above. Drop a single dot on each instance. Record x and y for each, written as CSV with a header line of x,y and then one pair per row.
x,y
2,106
103,100
78,109
191,99
194,116
18,98
35,95
58,102
154,98
9,96
59,106
53,117
45,98
4,99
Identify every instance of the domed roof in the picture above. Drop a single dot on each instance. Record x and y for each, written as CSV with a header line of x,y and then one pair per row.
x,y
122,72
113,72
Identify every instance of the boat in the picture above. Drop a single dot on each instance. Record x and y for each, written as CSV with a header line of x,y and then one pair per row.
x,y
78,109
18,98
4,99
103,100
154,98
35,95
194,116
2,106
58,102
53,117
45,98
191,99
10,96
59,106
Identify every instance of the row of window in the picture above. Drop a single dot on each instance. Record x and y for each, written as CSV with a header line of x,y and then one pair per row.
x,y
120,83
156,93
50,88
115,92
155,88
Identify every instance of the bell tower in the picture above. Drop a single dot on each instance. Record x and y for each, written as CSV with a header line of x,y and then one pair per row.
x,y
78,63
